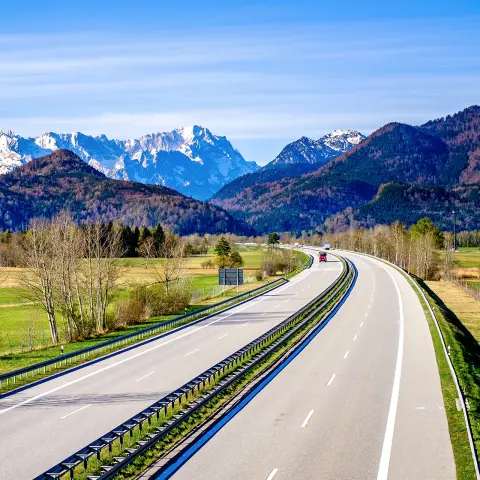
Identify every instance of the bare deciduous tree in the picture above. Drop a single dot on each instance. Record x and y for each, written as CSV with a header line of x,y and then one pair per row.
x,y
39,259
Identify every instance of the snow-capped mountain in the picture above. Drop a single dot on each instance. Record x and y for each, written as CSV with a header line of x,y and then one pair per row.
x,y
342,140
317,152
191,160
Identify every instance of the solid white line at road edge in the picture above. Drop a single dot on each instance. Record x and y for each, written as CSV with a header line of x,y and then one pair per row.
x,y
76,411
392,412
309,416
124,360
272,474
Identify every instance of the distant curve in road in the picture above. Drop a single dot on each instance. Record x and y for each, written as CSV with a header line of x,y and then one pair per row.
x,y
46,423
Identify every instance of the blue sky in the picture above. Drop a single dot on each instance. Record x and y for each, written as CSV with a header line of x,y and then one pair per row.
x,y
261,73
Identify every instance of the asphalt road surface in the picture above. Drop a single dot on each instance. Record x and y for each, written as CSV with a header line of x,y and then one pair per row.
x,y
43,425
361,401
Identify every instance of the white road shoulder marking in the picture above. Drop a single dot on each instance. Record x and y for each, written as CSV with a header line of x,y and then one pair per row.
x,y
331,380
145,376
272,474
309,416
392,412
76,411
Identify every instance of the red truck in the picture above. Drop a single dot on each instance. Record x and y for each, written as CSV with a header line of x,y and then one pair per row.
x,y
322,257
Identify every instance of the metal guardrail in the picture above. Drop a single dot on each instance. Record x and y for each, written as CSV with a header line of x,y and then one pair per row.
x,y
81,356
211,383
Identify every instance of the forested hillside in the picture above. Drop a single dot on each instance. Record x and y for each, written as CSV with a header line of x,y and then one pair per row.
x,y
441,155
61,180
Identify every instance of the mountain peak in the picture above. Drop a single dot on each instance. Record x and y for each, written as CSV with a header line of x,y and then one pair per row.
x,y
317,152
7,133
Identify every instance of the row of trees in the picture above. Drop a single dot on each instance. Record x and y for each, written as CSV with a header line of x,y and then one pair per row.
x,y
414,249
71,271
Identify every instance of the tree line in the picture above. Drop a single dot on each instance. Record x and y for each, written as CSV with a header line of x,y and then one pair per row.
x,y
413,249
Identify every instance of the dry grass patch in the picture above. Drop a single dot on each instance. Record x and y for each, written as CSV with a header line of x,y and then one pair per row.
x,y
463,305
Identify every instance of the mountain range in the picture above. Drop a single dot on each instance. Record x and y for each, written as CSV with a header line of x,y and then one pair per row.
x,y
399,172
191,160
429,170
297,158
63,181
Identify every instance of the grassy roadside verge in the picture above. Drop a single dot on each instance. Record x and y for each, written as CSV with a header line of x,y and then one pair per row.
x,y
456,422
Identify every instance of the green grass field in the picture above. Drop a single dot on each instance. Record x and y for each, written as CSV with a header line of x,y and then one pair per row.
x,y
22,323
467,257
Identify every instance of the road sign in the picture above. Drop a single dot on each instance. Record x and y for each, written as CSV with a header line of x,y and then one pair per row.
x,y
230,276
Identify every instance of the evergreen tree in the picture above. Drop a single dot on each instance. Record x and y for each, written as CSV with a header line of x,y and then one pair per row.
x,y
159,236
273,239
223,248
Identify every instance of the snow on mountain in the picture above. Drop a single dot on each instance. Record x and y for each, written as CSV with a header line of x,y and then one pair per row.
x,y
342,140
317,152
191,160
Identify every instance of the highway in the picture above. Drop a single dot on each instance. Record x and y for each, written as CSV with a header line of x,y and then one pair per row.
x,y
43,425
361,401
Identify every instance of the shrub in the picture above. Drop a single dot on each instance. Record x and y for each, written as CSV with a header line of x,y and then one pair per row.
x,y
259,275
207,264
131,310
159,303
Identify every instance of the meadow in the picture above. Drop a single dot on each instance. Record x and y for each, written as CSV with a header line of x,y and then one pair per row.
x,y
24,325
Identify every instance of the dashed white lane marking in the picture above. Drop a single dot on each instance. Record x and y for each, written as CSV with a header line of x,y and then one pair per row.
x,y
223,336
145,376
245,324
192,352
263,314
361,325
355,337
309,416
346,354
276,306
366,314
420,408
331,380
76,411
272,474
